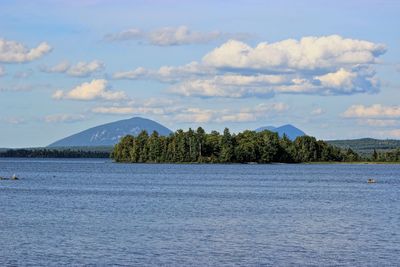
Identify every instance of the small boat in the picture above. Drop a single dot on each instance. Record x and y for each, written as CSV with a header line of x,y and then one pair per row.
x,y
14,177
371,181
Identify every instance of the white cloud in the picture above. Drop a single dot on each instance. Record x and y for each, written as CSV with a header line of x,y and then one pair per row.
x,y
342,78
230,85
196,115
85,68
2,71
81,69
373,111
114,110
96,89
15,52
263,85
56,118
170,36
179,113
129,110
153,106
129,34
309,53
330,65
169,74
180,36
58,68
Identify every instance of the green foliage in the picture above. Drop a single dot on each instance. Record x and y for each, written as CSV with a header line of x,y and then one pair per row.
x,y
366,146
390,156
245,147
53,153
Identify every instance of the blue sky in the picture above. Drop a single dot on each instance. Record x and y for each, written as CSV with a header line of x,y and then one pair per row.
x,y
330,68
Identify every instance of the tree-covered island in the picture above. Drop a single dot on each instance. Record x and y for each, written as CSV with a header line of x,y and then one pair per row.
x,y
245,147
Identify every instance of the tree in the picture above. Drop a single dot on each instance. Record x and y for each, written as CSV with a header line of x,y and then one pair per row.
x,y
246,150
227,151
375,155
154,148
268,145
200,140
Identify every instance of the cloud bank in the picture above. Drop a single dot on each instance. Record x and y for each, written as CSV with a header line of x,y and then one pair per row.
x,y
184,114
373,111
327,65
15,52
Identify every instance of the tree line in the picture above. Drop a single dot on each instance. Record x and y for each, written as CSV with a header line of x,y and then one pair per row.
x,y
245,147
388,156
53,153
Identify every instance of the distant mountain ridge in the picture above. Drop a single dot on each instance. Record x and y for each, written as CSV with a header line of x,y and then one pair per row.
x,y
109,134
291,131
366,146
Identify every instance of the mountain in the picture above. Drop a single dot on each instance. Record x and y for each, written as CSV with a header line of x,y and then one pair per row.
x,y
110,133
366,146
288,129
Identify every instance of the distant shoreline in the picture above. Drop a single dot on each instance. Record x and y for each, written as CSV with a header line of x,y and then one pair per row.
x,y
216,163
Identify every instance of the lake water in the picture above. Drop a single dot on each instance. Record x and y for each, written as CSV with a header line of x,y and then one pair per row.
x,y
95,212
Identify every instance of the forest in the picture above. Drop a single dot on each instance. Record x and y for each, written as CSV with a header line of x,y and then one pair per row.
x,y
245,147
52,153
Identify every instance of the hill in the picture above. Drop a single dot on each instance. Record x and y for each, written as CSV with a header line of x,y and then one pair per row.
x,y
109,134
291,131
366,146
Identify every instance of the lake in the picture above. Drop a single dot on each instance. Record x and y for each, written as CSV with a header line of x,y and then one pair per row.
x,y
94,212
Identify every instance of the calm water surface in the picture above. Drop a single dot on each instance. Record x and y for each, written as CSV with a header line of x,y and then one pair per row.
x,y
94,212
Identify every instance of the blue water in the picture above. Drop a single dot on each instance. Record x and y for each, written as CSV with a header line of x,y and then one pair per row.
x,y
95,212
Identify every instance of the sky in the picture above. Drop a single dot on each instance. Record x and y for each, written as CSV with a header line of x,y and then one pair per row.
x,y
331,68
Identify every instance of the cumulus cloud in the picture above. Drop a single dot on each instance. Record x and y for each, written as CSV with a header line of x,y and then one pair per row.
x,y
67,118
230,85
169,36
96,89
81,69
263,85
85,68
309,53
373,111
168,74
15,52
328,65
